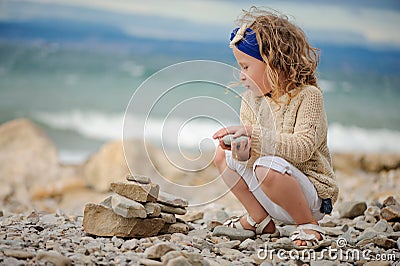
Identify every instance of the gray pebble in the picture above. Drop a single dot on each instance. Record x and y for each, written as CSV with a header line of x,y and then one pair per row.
x,y
18,254
229,244
228,140
178,261
248,244
381,226
233,233
53,257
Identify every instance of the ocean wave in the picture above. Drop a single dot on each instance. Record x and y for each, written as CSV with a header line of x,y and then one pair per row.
x,y
351,138
91,124
191,135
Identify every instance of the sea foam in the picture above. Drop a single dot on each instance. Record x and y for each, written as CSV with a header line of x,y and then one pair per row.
x,y
180,134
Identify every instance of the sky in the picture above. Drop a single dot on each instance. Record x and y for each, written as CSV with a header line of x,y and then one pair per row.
x,y
355,22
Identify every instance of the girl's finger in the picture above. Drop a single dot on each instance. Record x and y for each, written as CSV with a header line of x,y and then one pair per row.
x,y
220,133
223,146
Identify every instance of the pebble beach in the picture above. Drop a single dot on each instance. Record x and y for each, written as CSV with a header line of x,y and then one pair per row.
x,y
42,213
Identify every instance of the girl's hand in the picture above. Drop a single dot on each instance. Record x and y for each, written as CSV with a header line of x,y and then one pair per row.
x,y
236,130
243,153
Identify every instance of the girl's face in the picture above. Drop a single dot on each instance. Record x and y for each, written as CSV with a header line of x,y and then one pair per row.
x,y
252,74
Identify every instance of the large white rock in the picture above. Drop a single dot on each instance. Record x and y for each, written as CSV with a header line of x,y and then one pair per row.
x,y
28,159
106,166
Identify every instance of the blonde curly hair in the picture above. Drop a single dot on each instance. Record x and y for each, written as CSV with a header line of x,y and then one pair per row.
x,y
291,61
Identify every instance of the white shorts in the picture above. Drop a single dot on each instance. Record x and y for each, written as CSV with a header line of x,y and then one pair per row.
x,y
282,166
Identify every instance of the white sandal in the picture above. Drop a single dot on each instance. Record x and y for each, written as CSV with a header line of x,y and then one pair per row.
x,y
310,239
234,222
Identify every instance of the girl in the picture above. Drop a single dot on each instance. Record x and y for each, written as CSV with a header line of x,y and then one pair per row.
x,y
284,171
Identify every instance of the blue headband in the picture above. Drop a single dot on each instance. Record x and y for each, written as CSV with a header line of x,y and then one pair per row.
x,y
245,40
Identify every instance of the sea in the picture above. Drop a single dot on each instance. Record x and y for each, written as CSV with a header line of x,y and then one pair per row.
x,y
81,87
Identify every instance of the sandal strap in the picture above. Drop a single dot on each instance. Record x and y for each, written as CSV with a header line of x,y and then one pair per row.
x,y
234,222
311,227
301,235
260,227
251,220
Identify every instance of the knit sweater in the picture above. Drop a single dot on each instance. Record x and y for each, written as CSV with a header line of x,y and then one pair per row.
x,y
295,131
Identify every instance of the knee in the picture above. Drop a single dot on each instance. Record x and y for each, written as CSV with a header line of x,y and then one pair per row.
x,y
266,176
219,158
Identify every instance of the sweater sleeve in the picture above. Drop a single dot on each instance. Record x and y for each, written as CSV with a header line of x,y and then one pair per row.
x,y
309,129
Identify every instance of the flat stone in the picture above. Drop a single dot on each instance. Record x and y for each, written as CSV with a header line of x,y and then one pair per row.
x,y
168,218
333,231
158,250
381,226
389,201
127,208
228,244
48,219
396,227
283,243
362,225
322,263
178,261
12,261
329,221
200,233
391,212
191,216
348,236
365,242
142,179
172,200
136,191
194,258
230,252
102,221
367,234
385,242
170,255
171,209
394,235
130,244
233,233
378,263
351,209
107,202
18,254
175,228
248,244
152,209
53,257
149,262
370,219
373,211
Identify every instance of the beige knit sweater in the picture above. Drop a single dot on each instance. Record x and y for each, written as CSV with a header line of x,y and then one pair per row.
x,y
295,131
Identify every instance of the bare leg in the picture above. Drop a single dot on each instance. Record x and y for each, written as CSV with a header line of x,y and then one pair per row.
x,y
285,191
241,191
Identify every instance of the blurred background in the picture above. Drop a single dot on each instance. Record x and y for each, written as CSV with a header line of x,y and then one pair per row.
x,y
72,66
